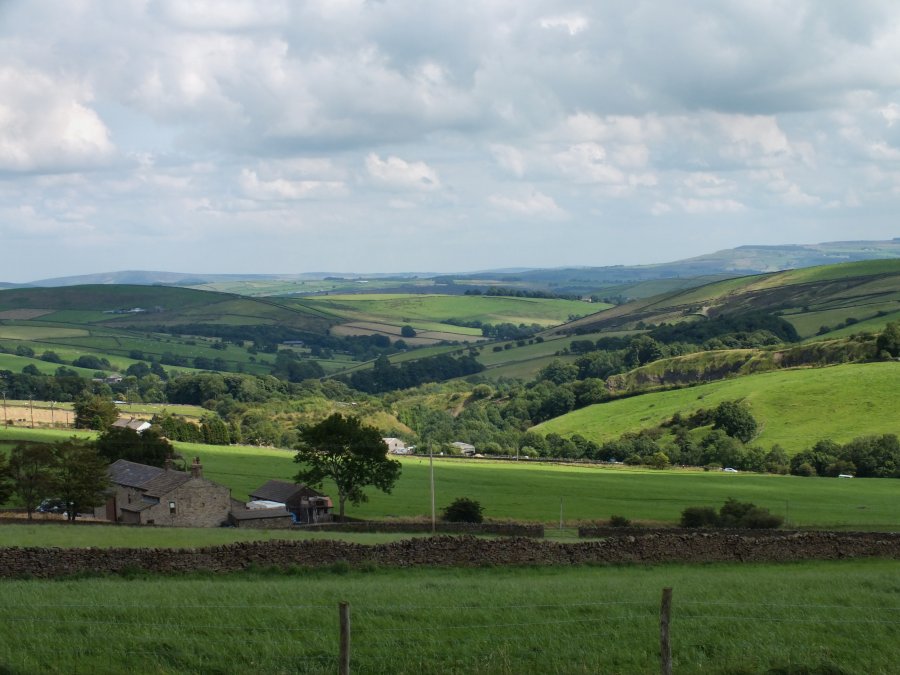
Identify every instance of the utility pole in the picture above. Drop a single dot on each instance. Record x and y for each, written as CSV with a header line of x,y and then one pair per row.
x,y
431,464
560,513
5,416
31,404
52,419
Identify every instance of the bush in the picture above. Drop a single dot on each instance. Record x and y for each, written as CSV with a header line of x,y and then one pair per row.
x,y
699,516
732,514
463,510
619,521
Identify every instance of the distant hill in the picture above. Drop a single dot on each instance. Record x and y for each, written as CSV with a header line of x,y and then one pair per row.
x,y
816,300
738,261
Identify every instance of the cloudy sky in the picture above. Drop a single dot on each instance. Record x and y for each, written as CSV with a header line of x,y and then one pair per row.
x,y
263,136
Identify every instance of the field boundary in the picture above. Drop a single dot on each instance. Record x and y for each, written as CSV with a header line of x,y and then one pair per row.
x,y
450,551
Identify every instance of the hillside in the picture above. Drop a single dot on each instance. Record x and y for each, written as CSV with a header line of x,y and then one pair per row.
x,y
810,299
795,408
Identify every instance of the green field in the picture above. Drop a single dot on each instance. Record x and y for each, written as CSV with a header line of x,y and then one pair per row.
x,y
795,408
815,617
436,308
531,491
66,536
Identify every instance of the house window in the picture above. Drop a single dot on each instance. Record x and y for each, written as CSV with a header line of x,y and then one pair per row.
x,y
172,508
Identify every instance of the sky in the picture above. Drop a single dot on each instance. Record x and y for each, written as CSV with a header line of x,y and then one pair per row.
x,y
280,136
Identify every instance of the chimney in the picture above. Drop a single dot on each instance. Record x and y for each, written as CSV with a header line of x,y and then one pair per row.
x,y
196,468
168,464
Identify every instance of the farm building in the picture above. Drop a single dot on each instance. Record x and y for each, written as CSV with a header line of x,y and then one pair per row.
x,y
302,502
149,495
131,423
466,449
396,446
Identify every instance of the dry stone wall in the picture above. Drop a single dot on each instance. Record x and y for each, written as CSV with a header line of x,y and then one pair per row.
x,y
496,529
465,551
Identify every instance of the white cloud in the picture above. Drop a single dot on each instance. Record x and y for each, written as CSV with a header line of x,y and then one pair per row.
x,y
891,113
533,204
280,188
572,24
704,206
397,173
509,158
46,124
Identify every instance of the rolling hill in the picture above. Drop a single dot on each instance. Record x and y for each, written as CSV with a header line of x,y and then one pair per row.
x,y
795,408
809,298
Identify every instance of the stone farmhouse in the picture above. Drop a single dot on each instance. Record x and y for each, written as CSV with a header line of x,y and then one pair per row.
x,y
149,495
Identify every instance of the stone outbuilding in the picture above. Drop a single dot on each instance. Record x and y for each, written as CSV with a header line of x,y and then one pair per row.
x,y
302,502
132,423
149,495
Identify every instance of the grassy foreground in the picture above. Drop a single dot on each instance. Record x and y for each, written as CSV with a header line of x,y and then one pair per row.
x,y
834,617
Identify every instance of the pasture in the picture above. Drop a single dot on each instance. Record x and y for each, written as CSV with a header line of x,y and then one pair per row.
x,y
795,408
834,617
401,309
64,535
533,491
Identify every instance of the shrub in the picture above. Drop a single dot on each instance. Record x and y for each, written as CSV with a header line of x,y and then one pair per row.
x,y
619,521
732,514
699,516
463,510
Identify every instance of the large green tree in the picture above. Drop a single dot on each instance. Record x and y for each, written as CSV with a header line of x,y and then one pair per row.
x,y
6,484
889,340
148,447
349,453
79,475
735,419
94,412
31,471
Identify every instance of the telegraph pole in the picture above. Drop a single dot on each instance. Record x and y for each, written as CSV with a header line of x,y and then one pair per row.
x,y
431,464
31,404
5,416
52,419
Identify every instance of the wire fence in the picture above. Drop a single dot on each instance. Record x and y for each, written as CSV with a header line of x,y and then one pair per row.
x,y
605,634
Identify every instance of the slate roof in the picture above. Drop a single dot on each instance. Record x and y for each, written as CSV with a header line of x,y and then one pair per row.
x,y
165,483
155,482
277,491
132,474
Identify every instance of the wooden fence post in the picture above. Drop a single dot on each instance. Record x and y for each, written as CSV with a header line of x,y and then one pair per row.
x,y
665,645
344,663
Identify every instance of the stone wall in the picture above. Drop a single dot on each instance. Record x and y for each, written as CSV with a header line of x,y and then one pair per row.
x,y
466,551
497,529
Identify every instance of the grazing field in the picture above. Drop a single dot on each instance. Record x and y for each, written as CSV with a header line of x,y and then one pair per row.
x,y
532,490
795,408
63,535
435,308
816,617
